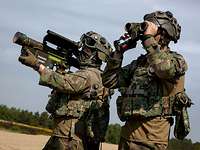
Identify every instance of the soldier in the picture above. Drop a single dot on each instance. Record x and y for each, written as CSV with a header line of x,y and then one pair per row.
x,y
152,86
79,104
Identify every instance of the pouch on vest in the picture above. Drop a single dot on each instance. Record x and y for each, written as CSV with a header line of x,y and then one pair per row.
x,y
56,101
74,108
128,107
52,104
182,124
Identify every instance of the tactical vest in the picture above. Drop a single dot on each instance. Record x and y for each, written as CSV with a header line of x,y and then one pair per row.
x,y
147,95
91,105
73,105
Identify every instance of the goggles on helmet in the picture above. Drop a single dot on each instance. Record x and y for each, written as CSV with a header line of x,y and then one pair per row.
x,y
98,43
88,41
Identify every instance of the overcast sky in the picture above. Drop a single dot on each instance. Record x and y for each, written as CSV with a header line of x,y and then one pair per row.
x,y
71,18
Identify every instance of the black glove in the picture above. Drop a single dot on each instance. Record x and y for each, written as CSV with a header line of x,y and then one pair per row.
x,y
29,59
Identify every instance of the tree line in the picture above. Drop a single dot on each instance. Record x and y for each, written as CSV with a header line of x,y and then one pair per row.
x,y
26,117
112,135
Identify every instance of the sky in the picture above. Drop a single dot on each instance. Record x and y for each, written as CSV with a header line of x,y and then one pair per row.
x,y
71,18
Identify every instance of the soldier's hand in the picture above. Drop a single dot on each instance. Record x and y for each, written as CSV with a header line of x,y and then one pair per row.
x,y
124,43
152,28
29,59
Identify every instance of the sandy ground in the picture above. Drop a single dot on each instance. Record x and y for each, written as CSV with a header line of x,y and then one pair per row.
x,y
18,141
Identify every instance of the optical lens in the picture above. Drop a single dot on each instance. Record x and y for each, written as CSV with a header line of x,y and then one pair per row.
x,y
89,41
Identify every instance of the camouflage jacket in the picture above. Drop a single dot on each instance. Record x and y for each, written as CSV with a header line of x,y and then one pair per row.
x,y
73,92
148,83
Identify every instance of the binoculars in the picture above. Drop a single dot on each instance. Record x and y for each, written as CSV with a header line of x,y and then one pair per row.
x,y
129,39
135,30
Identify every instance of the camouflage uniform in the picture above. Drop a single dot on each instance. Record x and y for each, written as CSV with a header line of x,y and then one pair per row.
x,y
149,87
69,105
79,104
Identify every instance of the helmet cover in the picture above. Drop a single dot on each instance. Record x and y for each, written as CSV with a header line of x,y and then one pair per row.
x,y
97,42
166,21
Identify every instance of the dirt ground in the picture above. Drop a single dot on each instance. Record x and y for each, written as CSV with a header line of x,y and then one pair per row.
x,y
18,141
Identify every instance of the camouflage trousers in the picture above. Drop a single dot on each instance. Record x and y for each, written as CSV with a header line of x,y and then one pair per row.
x,y
130,145
70,134
58,143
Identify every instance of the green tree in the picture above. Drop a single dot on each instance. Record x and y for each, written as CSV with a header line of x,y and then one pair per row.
x,y
24,116
196,146
113,134
44,120
185,144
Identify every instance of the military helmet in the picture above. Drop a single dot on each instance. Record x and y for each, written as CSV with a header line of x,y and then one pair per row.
x,y
97,42
166,21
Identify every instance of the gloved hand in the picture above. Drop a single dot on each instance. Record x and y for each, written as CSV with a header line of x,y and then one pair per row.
x,y
29,59
124,43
